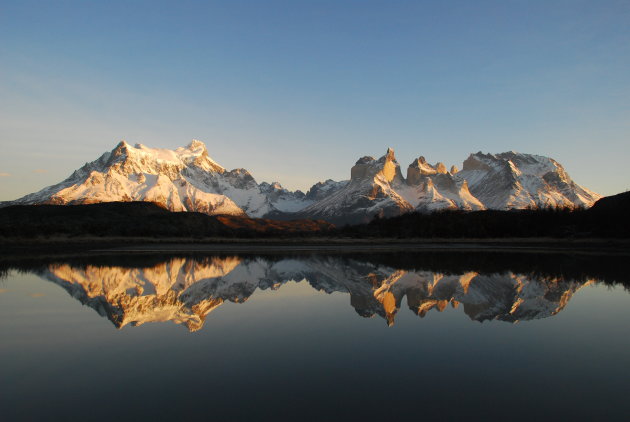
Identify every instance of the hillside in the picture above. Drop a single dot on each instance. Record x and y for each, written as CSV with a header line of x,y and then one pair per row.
x,y
138,219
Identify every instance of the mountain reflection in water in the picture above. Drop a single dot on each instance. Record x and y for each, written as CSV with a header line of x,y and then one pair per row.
x,y
186,290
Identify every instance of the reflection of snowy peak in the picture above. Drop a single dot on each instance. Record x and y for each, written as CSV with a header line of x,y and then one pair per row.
x,y
185,179
506,297
185,291
139,295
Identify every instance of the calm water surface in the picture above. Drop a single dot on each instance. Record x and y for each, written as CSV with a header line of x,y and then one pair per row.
x,y
316,337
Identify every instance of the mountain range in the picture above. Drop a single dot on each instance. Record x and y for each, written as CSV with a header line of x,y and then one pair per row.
x,y
188,179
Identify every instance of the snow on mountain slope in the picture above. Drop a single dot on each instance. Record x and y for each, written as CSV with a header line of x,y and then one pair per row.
x,y
321,190
185,179
139,173
377,188
513,180
504,181
283,199
430,188
369,192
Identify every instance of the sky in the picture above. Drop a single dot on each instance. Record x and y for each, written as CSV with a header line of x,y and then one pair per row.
x,y
297,91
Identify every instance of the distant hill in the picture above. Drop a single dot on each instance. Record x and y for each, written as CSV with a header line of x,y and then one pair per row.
x,y
608,218
613,204
139,219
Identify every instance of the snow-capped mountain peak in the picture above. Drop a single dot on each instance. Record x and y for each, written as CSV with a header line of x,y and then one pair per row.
x,y
188,179
194,154
516,180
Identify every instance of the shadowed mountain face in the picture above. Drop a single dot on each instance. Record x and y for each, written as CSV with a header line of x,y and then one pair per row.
x,y
186,290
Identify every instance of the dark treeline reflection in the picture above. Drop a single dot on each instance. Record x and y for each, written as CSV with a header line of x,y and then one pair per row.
x,y
135,289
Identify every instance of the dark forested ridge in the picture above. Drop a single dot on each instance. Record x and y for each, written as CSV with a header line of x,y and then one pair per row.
x,y
138,219
608,218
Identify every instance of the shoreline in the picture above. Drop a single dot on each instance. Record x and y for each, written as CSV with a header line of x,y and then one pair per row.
x,y
91,245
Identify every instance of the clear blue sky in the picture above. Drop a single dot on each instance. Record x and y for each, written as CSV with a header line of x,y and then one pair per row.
x,y
297,91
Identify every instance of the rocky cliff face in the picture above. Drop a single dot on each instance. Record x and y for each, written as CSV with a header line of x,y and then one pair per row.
x,y
378,188
371,191
433,188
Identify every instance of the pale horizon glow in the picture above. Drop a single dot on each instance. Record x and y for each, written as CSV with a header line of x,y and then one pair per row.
x,y
297,92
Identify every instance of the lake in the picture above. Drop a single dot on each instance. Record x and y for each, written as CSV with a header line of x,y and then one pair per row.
x,y
316,336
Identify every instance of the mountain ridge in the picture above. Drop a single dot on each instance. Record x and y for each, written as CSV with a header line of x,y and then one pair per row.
x,y
188,179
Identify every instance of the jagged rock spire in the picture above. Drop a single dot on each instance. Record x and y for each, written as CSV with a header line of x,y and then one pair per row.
x,y
389,155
